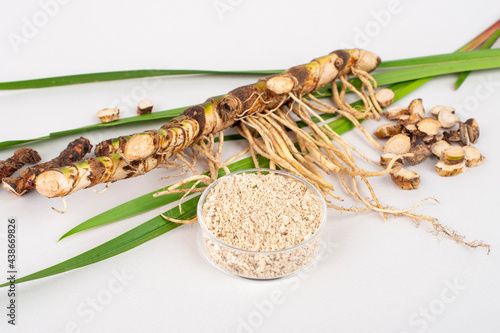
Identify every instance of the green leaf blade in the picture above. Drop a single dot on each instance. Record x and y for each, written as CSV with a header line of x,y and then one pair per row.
x,y
118,75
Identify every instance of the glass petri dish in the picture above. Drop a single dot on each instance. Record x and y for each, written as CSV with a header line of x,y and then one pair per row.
x,y
260,265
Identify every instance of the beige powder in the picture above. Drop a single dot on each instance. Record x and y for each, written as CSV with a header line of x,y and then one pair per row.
x,y
261,212
255,212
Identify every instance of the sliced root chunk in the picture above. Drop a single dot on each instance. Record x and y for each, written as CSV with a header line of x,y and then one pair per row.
x,y
398,144
145,106
439,147
416,107
385,159
453,155
420,154
429,140
428,126
388,130
447,118
413,119
453,136
384,97
438,108
406,179
472,130
473,156
107,115
395,112
447,170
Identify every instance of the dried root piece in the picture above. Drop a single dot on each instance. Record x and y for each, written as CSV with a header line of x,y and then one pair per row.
x,y
469,132
74,152
385,159
410,123
107,115
384,97
20,158
388,130
428,126
448,118
448,170
395,112
439,147
429,140
145,106
398,144
453,155
473,156
419,154
406,179
416,107
454,136
438,108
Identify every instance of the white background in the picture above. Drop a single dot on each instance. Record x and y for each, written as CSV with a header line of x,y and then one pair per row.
x,y
376,275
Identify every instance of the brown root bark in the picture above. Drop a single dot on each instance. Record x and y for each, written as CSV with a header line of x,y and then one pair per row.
x,y
74,152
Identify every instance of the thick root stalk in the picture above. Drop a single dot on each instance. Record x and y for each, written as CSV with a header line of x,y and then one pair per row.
x,y
20,158
59,182
74,152
221,112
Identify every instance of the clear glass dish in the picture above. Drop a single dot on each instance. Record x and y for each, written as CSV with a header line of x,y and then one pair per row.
x,y
260,265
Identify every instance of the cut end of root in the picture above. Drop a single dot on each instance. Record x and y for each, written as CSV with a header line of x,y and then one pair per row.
x,y
280,84
139,146
52,184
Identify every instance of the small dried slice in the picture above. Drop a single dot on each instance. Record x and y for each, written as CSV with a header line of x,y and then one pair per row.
x,y
429,140
420,154
384,97
388,130
410,123
438,108
403,119
145,106
395,112
472,130
447,118
429,126
439,147
453,136
406,179
386,158
107,115
447,170
453,155
398,144
473,156
416,107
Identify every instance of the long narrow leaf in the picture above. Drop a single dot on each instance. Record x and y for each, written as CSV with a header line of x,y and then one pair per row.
x,y
130,239
120,75
441,59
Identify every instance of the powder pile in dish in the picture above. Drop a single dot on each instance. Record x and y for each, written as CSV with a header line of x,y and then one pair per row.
x,y
261,213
